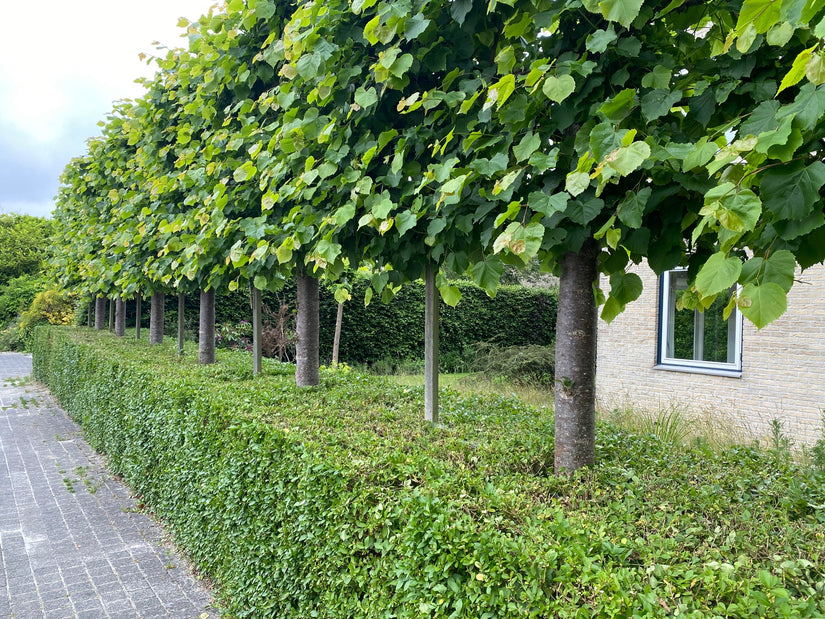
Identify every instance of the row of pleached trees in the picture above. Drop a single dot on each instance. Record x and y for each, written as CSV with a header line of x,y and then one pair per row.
x,y
425,136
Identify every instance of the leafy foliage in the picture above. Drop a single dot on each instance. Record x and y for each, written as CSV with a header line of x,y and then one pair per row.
x,y
17,295
25,242
341,501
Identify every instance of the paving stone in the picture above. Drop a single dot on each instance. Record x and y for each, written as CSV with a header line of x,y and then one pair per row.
x,y
67,551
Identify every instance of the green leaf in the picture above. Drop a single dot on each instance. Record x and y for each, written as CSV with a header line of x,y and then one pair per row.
x,y
701,154
583,212
599,41
618,107
779,268
487,274
415,26
547,204
544,161
489,167
284,254
632,208
780,34
499,92
658,78
344,214
558,88
400,67
342,295
308,66
657,103
459,10
244,172
628,158
761,13
762,304
746,39
622,11
815,69
366,98
405,221
265,9
791,191
762,119
576,183
527,146
450,294
719,273
604,139
260,282
797,71
624,288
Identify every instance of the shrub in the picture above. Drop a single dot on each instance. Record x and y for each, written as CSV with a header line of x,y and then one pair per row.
x,y
17,295
339,501
48,307
526,365
234,336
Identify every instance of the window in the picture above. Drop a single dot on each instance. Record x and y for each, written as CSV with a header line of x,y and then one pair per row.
x,y
694,341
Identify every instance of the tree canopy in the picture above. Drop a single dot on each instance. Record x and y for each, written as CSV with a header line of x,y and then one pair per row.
x,y
24,243
467,135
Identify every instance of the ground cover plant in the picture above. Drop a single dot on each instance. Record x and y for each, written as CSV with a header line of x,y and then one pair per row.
x,y
340,501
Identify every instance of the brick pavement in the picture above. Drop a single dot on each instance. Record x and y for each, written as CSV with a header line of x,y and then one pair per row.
x,y
73,543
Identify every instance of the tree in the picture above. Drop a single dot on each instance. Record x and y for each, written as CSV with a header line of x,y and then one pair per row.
x,y
472,135
25,240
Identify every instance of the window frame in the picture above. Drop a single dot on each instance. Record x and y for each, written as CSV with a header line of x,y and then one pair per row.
x,y
665,329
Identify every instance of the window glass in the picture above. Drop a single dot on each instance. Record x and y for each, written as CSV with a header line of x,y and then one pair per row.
x,y
694,338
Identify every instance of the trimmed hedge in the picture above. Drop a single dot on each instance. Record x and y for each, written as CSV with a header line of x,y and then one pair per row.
x,y
339,501
517,316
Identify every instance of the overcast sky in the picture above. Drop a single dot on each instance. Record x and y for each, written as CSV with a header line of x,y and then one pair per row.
x,y
62,65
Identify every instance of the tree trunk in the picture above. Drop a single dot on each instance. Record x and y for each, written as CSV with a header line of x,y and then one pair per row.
x,y
138,302
100,313
430,346
181,321
156,319
336,342
111,314
575,380
90,320
257,350
120,316
306,348
206,327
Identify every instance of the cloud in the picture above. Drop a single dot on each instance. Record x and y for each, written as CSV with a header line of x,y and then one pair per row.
x,y
58,84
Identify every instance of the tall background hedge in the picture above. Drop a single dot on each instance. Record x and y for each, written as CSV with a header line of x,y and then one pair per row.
x,y
517,316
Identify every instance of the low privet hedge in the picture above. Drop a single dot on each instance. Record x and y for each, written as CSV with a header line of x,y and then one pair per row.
x,y
339,501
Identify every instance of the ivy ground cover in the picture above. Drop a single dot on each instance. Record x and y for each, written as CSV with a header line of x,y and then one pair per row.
x,y
340,501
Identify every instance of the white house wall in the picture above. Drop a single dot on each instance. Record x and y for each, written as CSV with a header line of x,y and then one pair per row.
x,y
783,367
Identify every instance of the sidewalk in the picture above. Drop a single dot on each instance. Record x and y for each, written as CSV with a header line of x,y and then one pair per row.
x,y
72,540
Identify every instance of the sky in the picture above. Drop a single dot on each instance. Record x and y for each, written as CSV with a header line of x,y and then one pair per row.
x,y
63,63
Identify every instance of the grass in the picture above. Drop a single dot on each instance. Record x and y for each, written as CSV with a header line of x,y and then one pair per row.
x,y
468,382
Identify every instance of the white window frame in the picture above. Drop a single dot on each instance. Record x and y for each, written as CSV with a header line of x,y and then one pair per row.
x,y
666,315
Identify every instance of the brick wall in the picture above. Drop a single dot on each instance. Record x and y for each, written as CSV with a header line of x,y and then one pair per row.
x,y
783,367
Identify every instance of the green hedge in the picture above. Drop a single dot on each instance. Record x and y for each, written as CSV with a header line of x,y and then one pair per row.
x,y
339,501
517,316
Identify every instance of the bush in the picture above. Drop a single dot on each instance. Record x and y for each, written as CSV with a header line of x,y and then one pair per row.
x,y
49,307
525,365
17,295
339,501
